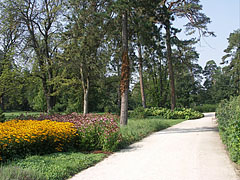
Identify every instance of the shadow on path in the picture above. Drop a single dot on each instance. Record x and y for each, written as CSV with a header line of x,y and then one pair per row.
x,y
188,130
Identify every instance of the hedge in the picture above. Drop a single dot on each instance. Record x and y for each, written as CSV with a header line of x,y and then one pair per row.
x,y
228,115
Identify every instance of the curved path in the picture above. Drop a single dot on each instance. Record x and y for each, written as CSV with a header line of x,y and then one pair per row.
x,y
191,150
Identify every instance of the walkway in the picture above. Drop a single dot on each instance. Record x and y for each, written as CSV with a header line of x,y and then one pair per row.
x,y
191,150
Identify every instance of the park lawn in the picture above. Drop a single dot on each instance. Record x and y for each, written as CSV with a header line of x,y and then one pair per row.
x,y
63,165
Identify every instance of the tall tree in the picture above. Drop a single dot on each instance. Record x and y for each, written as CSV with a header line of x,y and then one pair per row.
x,y
86,41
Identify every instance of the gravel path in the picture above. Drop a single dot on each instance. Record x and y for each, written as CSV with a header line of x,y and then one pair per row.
x,y
191,150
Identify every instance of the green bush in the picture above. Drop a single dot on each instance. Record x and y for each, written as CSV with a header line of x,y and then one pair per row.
x,y
206,108
138,113
228,114
165,113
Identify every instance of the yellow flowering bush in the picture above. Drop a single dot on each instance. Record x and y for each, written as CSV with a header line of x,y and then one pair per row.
x,y
22,137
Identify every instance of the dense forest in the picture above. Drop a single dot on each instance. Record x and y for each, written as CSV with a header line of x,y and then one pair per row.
x,y
92,55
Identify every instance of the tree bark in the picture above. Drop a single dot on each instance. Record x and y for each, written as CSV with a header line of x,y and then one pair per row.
x,y
85,99
125,72
2,102
170,66
141,76
86,87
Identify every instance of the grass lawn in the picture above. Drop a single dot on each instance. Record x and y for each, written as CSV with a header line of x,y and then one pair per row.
x,y
59,166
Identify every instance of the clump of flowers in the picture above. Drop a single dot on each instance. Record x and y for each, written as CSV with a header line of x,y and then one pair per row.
x,y
22,137
59,133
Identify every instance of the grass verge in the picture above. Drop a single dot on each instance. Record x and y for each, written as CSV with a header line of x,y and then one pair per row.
x,y
137,129
59,166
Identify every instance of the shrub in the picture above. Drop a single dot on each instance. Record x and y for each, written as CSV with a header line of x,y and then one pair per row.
x,y
182,113
206,108
139,113
228,115
97,132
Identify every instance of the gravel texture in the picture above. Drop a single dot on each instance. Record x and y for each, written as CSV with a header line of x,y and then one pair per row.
x,y
191,150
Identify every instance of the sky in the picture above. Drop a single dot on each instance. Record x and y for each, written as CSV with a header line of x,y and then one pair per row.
x,y
225,17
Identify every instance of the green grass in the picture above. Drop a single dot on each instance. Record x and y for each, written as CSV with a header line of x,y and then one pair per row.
x,y
60,166
137,129
57,166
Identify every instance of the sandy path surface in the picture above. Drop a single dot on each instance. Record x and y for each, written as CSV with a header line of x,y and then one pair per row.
x,y
191,150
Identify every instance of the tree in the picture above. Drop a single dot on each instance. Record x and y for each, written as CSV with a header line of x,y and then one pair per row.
x,y
188,72
165,12
86,44
232,58
10,80
39,24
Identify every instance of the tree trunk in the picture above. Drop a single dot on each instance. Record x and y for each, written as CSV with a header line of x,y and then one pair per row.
x,y
1,103
46,94
125,72
170,67
86,85
141,76
85,98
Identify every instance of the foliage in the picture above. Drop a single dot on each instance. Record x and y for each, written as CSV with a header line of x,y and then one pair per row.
x,y
180,113
21,137
228,115
54,166
18,173
138,113
205,108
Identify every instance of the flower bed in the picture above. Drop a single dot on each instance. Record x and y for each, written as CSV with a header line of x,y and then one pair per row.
x,y
21,137
60,133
